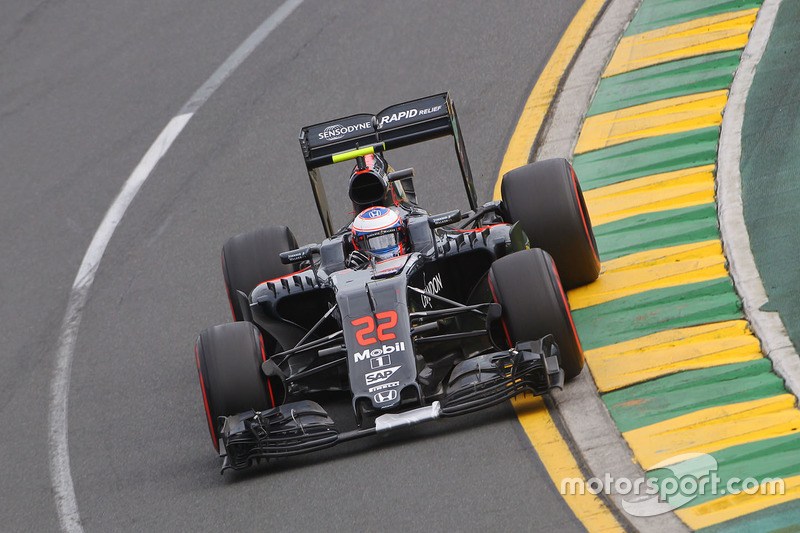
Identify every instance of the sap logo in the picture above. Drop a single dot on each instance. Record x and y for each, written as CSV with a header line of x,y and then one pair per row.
x,y
385,396
380,375
433,286
377,352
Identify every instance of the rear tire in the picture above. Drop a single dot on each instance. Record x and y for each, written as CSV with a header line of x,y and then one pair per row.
x,y
547,200
229,358
252,258
527,286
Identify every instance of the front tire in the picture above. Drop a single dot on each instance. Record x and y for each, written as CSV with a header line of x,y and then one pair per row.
x,y
546,198
527,286
252,258
229,358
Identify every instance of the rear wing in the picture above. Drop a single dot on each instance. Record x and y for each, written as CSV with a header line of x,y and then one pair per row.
x,y
396,126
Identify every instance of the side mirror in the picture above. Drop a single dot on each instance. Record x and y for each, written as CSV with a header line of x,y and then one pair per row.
x,y
444,219
299,255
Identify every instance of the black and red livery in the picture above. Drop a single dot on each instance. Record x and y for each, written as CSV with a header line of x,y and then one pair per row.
x,y
472,313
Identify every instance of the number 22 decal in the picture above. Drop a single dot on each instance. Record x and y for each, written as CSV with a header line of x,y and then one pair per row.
x,y
366,324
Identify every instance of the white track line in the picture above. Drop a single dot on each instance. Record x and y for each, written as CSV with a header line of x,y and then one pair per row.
x,y
58,447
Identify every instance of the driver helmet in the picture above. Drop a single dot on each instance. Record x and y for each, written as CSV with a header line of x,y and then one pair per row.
x,y
379,231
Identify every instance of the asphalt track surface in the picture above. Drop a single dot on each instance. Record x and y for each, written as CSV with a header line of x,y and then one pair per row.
x,y
85,89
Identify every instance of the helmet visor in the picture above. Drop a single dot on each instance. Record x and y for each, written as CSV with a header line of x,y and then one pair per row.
x,y
378,243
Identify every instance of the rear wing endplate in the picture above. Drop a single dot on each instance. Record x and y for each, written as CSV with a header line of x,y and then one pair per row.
x,y
396,126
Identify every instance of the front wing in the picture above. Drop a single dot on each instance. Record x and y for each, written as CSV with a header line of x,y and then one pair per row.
x,y
477,383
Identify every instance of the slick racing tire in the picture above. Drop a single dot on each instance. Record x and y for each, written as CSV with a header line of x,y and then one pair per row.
x,y
527,286
546,199
229,358
253,257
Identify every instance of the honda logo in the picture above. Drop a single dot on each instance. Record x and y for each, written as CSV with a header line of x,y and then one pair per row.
x,y
385,396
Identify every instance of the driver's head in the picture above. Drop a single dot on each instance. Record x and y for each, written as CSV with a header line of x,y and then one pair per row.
x,y
379,231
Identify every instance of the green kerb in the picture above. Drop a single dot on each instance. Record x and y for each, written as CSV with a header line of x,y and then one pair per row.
x,y
769,458
646,157
657,310
777,519
669,80
661,229
685,392
654,14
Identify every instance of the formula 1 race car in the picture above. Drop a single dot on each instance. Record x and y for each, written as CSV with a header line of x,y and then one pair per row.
x,y
411,316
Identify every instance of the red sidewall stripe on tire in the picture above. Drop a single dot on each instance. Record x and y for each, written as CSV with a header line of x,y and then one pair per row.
x,y
583,218
566,305
502,320
264,360
205,399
